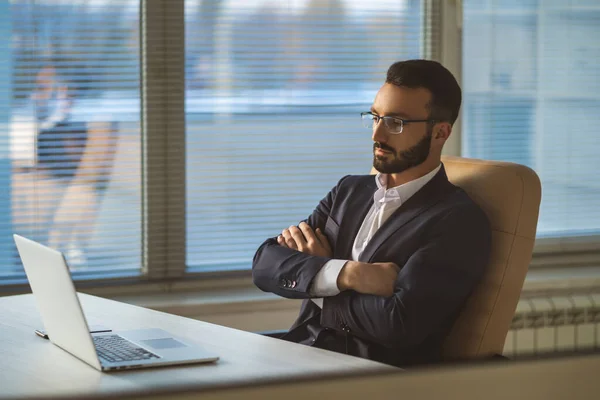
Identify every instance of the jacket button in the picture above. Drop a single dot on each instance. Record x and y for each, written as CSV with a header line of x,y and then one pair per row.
x,y
294,283
288,283
282,282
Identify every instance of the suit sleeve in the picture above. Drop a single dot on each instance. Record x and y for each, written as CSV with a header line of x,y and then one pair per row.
x,y
430,289
287,272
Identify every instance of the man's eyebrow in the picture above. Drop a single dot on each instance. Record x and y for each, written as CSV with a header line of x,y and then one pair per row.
x,y
398,114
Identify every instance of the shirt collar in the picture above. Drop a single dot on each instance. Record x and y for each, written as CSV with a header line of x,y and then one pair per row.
x,y
402,192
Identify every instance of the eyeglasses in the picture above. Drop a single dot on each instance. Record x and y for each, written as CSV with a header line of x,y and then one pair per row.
x,y
393,125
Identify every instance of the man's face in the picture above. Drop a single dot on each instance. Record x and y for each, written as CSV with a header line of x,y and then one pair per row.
x,y
395,153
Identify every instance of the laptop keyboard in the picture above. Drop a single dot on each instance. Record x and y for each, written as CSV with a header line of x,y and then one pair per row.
x,y
114,348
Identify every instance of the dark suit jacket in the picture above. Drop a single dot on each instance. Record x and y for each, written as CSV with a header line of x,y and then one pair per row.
x,y
440,239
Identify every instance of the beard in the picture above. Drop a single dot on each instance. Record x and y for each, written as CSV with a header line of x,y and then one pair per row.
x,y
397,162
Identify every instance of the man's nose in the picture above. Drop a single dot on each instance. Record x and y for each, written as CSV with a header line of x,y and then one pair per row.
x,y
379,132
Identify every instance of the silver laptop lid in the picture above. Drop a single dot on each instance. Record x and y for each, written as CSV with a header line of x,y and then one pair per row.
x,y
53,288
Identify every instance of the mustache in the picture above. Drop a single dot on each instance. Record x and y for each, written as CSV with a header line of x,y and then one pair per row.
x,y
382,146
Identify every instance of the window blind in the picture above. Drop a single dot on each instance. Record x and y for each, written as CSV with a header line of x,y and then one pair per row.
x,y
69,95
273,96
531,78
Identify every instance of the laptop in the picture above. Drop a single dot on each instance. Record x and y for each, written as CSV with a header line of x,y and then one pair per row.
x,y
63,318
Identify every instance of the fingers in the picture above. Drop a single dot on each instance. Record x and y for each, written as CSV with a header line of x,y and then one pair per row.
x,y
392,266
288,239
304,239
383,278
292,238
298,237
388,265
307,232
281,241
323,239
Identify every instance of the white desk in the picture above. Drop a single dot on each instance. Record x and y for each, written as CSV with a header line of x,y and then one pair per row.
x,y
33,367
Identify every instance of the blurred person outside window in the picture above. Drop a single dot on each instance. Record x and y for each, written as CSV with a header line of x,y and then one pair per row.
x,y
57,199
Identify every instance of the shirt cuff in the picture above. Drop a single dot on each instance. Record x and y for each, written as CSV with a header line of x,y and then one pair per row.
x,y
325,282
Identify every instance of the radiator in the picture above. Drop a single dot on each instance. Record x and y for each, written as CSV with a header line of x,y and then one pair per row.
x,y
556,322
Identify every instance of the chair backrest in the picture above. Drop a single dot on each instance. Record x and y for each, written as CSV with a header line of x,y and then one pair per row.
x,y
510,195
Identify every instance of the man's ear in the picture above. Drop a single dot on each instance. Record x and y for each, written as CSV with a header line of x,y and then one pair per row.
x,y
443,131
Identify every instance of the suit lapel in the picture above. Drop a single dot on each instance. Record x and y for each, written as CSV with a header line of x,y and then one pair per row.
x,y
430,194
359,204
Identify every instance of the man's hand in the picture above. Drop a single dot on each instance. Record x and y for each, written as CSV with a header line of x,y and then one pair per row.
x,y
377,279
304,239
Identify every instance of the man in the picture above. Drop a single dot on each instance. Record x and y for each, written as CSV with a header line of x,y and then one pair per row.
x,y
386,262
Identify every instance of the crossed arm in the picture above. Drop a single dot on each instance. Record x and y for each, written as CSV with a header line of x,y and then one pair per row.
x,y
288,264
380,302
368,278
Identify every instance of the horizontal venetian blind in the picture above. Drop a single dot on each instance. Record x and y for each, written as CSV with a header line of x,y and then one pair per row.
x,y
69,95
531,79
273,96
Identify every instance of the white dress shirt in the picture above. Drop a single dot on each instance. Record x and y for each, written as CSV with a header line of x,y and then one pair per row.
x,y
385,202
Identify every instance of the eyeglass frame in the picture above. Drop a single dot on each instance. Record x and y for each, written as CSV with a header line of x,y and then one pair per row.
x,y
403,121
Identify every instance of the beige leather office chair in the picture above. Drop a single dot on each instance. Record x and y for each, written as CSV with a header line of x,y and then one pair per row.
x,y
510,195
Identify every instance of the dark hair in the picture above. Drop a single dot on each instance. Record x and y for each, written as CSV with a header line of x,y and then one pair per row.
x,y
433,76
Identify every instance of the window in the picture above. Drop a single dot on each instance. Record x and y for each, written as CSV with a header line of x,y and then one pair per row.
x,y
272,122
531,80
70,158
274,91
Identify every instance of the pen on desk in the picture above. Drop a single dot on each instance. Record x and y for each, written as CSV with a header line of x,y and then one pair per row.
x,y
41,334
